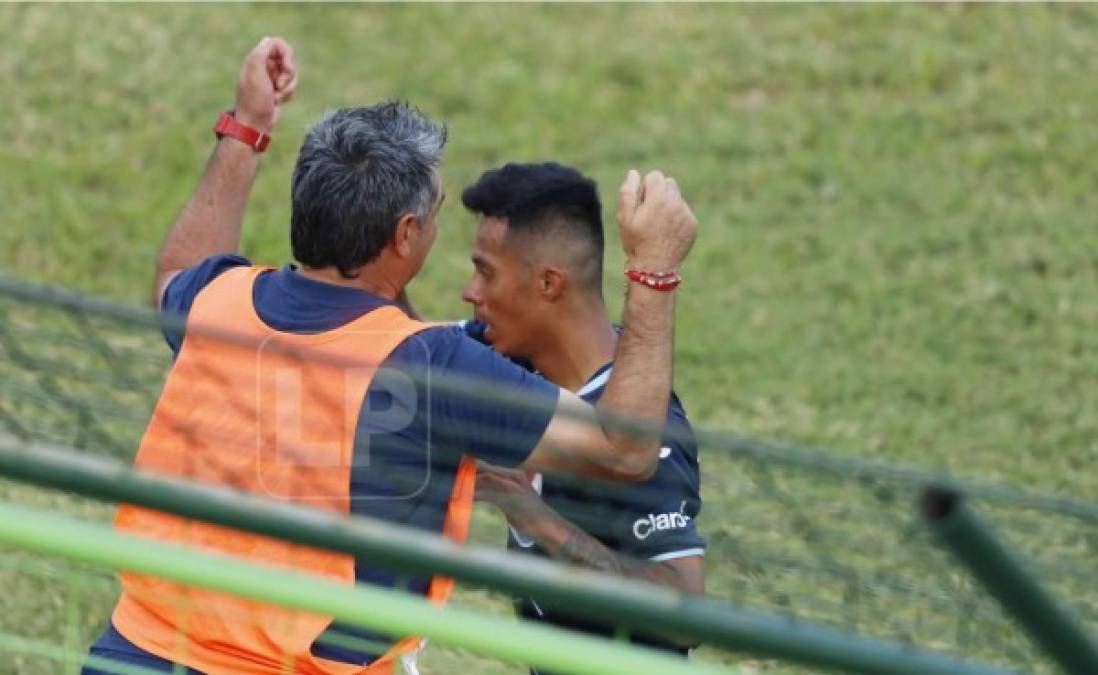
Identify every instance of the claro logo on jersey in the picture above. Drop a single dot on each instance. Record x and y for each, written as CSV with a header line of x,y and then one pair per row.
x,y
658,522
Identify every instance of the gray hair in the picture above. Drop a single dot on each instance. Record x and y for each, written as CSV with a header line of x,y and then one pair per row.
x,y
359,171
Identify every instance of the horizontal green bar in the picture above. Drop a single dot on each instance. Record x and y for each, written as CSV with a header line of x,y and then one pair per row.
x,y
1006,577
361,605
611,599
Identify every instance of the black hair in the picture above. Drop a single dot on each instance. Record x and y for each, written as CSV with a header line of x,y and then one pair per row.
x,y
549,201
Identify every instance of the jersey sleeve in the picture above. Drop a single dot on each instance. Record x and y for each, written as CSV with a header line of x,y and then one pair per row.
x,y
184,288
668,529
459,372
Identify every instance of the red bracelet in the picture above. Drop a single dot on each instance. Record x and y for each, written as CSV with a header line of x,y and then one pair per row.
x,y
657,281
228,126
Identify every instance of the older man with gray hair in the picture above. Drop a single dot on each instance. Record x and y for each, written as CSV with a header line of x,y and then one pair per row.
x,y
366,193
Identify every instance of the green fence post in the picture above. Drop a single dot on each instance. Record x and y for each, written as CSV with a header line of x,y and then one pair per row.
x,y
1005,576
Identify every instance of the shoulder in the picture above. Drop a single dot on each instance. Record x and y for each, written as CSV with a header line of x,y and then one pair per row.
x,y
448,350
461,346
463,380
180,293
185,286
442,344
474,329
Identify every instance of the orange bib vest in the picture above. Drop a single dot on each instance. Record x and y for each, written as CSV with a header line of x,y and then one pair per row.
x,y
275,414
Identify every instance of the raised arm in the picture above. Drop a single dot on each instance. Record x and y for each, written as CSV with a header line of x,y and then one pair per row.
x,y
657,232
210,222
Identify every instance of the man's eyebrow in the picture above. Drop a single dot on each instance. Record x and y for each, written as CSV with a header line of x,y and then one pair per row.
x,y
479,261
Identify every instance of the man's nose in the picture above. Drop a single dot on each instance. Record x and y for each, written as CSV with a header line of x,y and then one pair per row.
x,y
468,295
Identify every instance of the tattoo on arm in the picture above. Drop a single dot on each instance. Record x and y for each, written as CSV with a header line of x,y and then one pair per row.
x,y
583,549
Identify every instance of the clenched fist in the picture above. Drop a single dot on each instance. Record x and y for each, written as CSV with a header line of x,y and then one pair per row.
x,y
268,79
656,224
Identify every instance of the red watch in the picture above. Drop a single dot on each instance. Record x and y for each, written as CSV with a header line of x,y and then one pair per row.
x,y
228,126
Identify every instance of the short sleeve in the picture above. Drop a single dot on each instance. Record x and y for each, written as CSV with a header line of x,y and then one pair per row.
x,y
184,288
460,371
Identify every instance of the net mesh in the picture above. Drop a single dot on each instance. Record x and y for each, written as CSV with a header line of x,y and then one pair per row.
x,y
792,531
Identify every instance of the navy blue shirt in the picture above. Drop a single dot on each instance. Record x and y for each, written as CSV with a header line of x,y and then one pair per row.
x,y
402,472
654,519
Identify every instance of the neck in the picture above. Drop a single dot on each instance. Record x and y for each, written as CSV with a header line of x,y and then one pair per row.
x,y
368,280
577,345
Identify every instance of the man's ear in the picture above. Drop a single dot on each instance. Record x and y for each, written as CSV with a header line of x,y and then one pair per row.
x,y
406,228
552,282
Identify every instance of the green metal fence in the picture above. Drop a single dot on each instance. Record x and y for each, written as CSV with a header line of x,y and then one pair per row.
x,y
365,606
630,605
803,545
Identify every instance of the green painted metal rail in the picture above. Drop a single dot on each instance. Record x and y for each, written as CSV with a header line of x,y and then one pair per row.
x,y
1006,577
599,596
365,606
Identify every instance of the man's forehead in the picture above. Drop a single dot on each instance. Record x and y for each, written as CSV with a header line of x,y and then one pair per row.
x,y
492,231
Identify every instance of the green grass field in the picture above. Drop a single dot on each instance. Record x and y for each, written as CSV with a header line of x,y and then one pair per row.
x,y
897,256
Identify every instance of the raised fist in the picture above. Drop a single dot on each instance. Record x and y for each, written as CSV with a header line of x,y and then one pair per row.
x,y
656,224
268,79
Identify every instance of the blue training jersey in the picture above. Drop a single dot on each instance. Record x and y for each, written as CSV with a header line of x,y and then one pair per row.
x,y
402,472
653,520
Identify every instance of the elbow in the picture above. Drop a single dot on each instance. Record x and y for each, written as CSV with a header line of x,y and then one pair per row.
x,y
635,469
641,460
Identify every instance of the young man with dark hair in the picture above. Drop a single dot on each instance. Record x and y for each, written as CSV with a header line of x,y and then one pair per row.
x,y
537,297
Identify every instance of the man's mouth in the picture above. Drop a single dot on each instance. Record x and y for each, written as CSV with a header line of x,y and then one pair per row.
x,y
489,332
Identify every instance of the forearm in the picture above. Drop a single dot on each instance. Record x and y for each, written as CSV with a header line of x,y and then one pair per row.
x,y
210,223
564,541
640,384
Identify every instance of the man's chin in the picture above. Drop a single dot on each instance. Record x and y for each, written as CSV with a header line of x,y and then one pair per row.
x,y
490,334
492,337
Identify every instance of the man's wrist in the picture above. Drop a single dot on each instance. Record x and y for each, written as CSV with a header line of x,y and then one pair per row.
x,y
238,153
552,533
240,130
260,123
652,263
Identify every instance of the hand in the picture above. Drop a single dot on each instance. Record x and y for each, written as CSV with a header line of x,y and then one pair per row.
x,y
268,79
510,490
656,224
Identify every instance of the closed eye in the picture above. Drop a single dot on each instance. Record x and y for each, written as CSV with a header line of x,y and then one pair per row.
x,y
482,267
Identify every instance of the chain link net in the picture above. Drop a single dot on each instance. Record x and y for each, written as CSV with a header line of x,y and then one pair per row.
x,y
790,531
